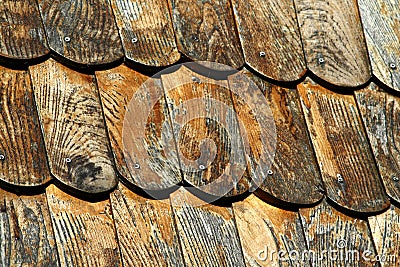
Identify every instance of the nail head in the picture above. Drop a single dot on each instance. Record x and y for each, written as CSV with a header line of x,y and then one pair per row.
x,y
392,66
68,160
2,157
262,54
270,172
340,178
321,60
134,40
202,167
67,39
136,166
395,178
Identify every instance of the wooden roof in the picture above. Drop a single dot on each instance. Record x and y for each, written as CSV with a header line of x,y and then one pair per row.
x,y
70,74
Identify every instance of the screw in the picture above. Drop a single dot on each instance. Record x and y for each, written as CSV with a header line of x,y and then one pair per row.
x,y
202,167
270,172
2,157
67,39
340,178
395,178
321,60
134,40
392,66
262,54
136,166
68,160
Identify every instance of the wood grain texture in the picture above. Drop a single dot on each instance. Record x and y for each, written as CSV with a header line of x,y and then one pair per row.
x,y
21,32
265,230
207,233
207,133
22,149
380,112
295,174
145,229
346,161
84,231
74,131
335,239
385,229
205,31
270,27
381,22
146,31
333,41
26,234
82,31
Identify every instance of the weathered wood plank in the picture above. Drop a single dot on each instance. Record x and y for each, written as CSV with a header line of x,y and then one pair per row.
x,y
145,229
146,31
82,31
381,115
207,233
385,229
381,22
26,234
138,126
265,230
84,231
333,41
295,174
270,38
74,131
22,152
207,132
205,31
335,239
21,32
346,161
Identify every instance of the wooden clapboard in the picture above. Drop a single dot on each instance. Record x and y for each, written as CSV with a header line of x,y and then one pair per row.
x,y
136,117
380,112
382,33
205,31
207,233
333,41
146,31
74,130
343,153
22,153
265,231
26,234
145,229
21,32
270,38
82,32
84,231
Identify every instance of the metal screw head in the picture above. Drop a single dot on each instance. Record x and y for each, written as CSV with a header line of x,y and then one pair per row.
x,y
270,172
136,166
67,39
195,79
321,60
134,40
2,157
392,66
68,160
340,178
202,167
395,178
262,54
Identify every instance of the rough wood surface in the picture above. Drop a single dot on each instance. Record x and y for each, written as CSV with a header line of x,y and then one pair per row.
x,y
333,41
84,231
22,154
26,234
21,32
335,239
265,230
270,38
343,152
381,115
295,174
145,230
146,31
82,31
207,132
207,233
74,130
385,229
381,21
205,30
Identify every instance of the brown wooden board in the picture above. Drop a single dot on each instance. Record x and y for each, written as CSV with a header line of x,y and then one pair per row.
x,y
74,130
385,229
84,231
22,153
207,233
82,31
26,234
346,162
270,38
295,174
335,239
205,31
136,115
145,230
333,41
21,32
207,133
265,230
146,31
381,115
381,24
